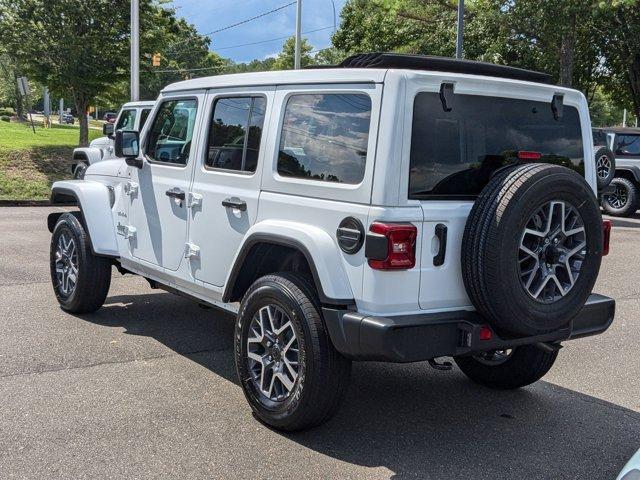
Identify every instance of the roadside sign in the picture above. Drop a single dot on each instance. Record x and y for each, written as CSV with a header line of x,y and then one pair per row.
x,y
23,86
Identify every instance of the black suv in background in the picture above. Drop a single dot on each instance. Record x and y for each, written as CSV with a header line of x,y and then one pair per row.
x,y
623,199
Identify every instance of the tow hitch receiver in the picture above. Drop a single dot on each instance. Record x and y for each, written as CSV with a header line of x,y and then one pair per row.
x,y
444,366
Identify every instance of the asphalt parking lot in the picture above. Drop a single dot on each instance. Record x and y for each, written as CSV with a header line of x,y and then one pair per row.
x,y
145,388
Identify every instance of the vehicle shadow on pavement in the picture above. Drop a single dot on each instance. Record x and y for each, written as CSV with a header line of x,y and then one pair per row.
x,y
412,420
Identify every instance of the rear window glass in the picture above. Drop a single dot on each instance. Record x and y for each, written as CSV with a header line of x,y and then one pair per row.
x,y
628,145
455,153
324,137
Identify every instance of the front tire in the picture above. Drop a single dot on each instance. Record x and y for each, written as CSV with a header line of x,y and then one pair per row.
x,y
290,373
80,279
506,370
624,201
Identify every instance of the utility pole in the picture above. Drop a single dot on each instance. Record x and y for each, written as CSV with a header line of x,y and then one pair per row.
x,y
60,109
460,35
135,50
296,60
624,118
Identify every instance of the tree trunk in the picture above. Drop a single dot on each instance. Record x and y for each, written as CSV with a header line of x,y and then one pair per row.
x,y
82,106
634,82
567,53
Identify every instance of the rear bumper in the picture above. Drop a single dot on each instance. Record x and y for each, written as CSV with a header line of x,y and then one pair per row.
x,y
413,338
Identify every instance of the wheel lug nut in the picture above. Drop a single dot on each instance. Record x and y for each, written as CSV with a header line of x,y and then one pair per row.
x,y
269,344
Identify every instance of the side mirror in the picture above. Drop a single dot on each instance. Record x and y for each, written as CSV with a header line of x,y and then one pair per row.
x,y
127,145
107,129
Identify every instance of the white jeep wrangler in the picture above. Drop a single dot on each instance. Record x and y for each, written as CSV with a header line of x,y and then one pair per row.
x,y
132,116
394,208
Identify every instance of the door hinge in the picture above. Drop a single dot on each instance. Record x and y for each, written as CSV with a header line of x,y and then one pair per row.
x,y
195,200
131,188
127,231
191,250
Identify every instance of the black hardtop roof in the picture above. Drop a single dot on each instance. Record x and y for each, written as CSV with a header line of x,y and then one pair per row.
x,y
620,130
442,64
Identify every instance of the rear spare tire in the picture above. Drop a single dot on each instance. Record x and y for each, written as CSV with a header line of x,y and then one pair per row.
x,y
531,248
605,166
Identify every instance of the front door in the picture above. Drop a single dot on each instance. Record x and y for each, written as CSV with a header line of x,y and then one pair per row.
x,y
158,211
226,180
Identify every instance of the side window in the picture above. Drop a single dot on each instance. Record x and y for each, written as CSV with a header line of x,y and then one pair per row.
x,y
628,145
235,132
143,117
171,132
325,137
127,120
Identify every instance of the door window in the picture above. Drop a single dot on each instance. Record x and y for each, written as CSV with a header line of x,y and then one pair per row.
x,y
628,145
325,137
171,132
235,132
143,117
127,120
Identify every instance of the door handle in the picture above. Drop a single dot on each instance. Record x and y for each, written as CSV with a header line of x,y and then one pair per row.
x,y
441,235
176,193
235,203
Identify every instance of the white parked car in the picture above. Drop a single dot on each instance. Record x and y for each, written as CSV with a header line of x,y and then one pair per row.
x,y
132,116
394,208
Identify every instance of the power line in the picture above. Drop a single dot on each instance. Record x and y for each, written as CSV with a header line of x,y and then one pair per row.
x,y
242,22
270,40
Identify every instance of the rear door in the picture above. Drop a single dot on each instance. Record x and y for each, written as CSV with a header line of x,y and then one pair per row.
x,y
454,154
226,183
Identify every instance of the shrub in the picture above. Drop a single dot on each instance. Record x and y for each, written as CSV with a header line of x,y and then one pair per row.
x,y
5,112
5,118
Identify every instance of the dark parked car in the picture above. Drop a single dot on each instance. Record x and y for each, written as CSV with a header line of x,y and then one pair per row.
x,y
68,119
110,117
624,198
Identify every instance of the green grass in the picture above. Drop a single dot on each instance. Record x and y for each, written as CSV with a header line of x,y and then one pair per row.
x,y
30,163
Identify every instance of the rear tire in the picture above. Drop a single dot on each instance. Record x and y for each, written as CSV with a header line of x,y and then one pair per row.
x,y
524,366
624,202
80,279
289,388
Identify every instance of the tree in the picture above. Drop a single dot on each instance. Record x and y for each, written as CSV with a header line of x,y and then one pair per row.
x,y
9,92
76,46
285,59
621,51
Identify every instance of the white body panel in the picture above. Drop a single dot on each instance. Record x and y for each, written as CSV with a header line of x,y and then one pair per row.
x,y
95,199
305,210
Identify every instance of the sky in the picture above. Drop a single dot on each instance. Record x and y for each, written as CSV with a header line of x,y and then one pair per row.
x,y
210,15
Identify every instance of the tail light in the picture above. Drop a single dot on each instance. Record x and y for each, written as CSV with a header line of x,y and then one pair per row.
x,y
391,246
606,236
529,156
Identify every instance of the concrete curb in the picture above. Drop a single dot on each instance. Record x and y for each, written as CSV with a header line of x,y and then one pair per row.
x,y
25,203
